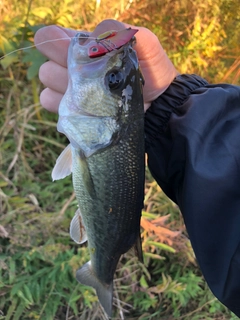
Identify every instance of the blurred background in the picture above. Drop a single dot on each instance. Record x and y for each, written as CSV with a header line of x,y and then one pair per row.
x,y
38,259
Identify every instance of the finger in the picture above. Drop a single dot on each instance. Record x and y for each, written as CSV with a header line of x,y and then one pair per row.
x,y
70,32
54,76
50,99
53,42
146,42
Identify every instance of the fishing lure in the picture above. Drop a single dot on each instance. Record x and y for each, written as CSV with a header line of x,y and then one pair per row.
x,y
109,41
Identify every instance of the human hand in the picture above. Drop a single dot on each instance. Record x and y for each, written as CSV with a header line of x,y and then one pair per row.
x,y
157,69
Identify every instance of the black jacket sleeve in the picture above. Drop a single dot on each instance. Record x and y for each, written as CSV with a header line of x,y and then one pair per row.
x,y
193,145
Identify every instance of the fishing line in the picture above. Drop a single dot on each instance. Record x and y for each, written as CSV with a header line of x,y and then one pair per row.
x,y
41,43
80,35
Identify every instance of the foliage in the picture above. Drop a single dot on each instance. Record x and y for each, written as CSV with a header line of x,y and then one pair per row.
x,y
37,258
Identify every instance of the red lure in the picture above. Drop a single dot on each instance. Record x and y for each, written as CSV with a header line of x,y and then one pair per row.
x,y
109,41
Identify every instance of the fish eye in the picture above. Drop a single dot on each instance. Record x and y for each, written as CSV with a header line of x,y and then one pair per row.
x,y
114,79
94,49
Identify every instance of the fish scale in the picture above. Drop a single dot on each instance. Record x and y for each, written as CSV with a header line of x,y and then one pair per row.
x,y
122,222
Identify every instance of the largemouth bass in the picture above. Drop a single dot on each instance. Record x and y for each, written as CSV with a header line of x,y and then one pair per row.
x,y
102,115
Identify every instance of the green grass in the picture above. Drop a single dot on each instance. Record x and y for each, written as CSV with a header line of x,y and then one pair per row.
x,y
38,260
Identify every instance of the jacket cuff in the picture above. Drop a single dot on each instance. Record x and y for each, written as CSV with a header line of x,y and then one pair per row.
x,y
158,115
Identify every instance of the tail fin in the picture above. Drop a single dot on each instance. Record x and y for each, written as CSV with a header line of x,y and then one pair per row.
x,y
86,276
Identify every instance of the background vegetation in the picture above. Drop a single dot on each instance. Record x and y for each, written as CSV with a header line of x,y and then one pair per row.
x,y
37,258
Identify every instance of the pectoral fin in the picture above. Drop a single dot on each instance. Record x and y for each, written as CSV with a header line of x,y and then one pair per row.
x,y
77,229
63,166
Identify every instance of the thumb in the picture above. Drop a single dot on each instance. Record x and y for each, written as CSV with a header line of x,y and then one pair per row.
x,y
157,68
107,25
